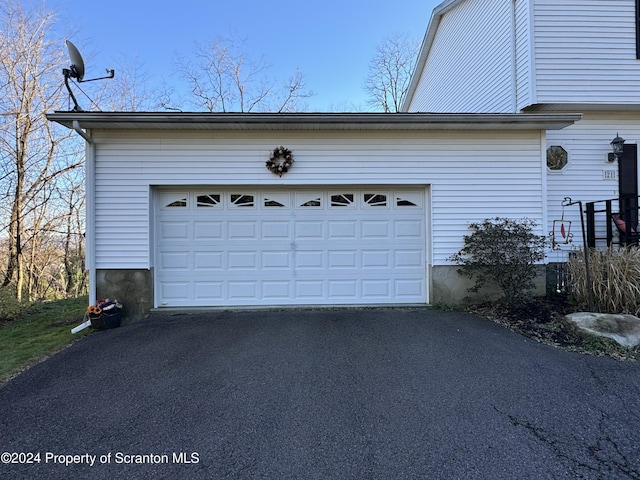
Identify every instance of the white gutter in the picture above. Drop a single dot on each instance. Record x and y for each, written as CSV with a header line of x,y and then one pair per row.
x,y
82,133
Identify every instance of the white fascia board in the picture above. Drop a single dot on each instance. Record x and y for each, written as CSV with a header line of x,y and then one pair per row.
x,y
132,121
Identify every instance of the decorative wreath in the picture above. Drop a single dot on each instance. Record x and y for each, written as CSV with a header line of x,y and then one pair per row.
x,y
280,160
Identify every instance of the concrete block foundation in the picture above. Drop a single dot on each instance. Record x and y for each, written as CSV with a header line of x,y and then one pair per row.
x,y
132,288
448,287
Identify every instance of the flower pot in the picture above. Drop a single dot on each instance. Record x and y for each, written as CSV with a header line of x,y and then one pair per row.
x,y
107,319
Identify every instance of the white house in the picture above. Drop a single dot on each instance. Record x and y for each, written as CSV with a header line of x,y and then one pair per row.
x,y
182,211
509,56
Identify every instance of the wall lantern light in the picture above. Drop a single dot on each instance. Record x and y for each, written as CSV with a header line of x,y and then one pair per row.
x,y
617,147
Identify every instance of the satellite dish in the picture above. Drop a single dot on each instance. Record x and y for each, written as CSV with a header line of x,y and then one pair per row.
x,y
77,64
76,70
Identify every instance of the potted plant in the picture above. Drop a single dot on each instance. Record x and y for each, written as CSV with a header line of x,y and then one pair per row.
x,y
105,314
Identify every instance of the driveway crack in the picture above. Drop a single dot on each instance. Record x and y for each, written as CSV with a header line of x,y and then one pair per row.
x,y
604,463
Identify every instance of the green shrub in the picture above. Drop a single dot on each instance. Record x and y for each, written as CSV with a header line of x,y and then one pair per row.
x,y
10,308
615,278
503,252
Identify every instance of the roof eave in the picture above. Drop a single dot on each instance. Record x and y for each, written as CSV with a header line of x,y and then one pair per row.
x,y
311,121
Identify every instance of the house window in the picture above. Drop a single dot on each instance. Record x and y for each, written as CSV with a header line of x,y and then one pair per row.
x,y
557,158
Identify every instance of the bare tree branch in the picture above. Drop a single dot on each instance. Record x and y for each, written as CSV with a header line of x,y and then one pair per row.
x,y
223,78
390,72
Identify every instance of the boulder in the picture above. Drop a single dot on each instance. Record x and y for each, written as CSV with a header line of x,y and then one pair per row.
x,y
624,329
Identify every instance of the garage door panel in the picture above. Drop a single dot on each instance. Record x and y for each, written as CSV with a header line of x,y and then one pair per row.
x,y
376,229
277,229
276,260
175,261
208,230
309,230
376,258
309,259
234,247
208,260
409,288
175,290
379,288
242,230
276,290
209,291
343,289
342,258
174,230
339,230
408,258
245,289
243,260
408,229
309,289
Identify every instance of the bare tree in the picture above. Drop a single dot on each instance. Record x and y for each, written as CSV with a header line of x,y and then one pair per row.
x,y
223,78
30,85
390,72
128,91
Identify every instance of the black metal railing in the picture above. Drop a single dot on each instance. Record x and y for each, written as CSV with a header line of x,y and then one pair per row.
x,y
624,221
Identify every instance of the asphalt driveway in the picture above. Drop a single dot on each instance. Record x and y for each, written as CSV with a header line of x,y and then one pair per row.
x,y
320,394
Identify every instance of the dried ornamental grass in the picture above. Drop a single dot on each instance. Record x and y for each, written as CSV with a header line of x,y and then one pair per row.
x,y
615,277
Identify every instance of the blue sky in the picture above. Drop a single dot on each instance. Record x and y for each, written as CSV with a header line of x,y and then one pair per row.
x,y
330,41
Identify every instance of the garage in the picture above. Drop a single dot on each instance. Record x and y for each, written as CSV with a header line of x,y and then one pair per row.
x,y
294,246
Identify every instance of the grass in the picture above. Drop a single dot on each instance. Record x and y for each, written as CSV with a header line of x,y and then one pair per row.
x,y
41,330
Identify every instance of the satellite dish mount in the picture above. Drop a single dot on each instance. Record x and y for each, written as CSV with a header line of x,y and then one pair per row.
x,y
76,70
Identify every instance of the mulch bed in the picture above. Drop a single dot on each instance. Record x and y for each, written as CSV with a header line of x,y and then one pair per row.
x,y
542,319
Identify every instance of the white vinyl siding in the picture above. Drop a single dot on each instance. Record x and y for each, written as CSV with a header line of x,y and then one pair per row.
x,y
471,175
587,143
525,82
585,52
470,64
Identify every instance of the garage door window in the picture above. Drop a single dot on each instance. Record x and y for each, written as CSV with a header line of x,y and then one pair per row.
x,y
408,200
375,199
275,199
174,200
311,199
342,200
242,200
208,201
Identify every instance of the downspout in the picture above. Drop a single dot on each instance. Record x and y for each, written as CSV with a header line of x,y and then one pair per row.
x,y
90,196
514,60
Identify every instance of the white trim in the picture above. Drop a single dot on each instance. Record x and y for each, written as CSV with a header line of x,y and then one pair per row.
x,y
533,90
544,173
514,59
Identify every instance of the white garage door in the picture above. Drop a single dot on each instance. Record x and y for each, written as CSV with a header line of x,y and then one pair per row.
x,y
285,247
